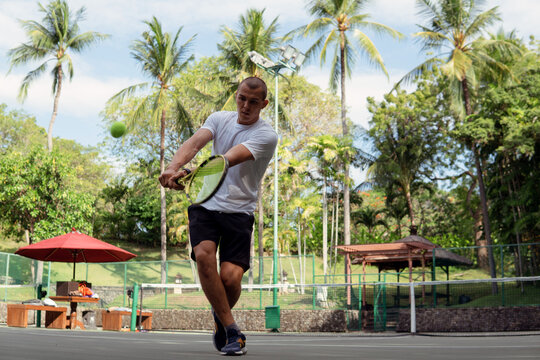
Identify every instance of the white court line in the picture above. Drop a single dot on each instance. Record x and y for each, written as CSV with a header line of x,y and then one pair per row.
x,y
389,345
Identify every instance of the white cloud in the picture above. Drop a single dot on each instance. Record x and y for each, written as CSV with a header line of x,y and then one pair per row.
x,y
393,12
81,100
106,68
521,15
10,26
359,87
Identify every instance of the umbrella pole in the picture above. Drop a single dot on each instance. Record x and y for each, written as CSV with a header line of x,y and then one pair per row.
x,y
74,262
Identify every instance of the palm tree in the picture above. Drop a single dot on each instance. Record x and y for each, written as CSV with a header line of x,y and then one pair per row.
x,y
325,149
161,58
335,20
252,34
458,25
52,40
369,217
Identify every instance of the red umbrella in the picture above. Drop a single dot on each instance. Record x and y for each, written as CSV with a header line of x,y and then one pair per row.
x,y
74,247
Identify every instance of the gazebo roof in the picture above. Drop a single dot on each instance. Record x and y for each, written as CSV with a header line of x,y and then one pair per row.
x,y
396,255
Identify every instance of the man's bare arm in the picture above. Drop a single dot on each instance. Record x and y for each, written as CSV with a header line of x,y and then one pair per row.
x,y
238,154
183,155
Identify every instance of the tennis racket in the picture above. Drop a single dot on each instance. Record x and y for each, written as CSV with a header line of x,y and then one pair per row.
x,y
203,182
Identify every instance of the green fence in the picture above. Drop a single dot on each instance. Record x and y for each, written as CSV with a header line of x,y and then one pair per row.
x,y
112,277
509,260
113,280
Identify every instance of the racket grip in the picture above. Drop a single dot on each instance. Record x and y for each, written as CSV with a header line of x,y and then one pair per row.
x,y
177,181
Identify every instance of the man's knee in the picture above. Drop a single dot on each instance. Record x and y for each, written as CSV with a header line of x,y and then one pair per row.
x,y
231,275
205,255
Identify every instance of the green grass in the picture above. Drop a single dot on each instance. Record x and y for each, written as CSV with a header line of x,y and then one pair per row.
x,y
510,295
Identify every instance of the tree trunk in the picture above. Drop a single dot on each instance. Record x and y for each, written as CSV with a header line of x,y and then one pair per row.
x,y
55,110
336,233
299,245
346,194
346,190
482,252
410,207
304,268
476,215
481,188
163,203
325,231
332,234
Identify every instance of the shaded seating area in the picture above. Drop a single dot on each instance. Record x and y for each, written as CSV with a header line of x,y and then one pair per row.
x,y
405,254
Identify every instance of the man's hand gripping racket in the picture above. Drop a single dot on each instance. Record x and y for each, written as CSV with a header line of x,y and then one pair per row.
x,y
204,181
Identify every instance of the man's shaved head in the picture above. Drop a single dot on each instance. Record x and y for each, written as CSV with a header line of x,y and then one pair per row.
x,y
254,83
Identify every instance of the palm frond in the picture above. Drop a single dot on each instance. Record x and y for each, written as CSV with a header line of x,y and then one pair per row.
x,y
432,39
123,94
335,71
82,41
458,64
482,21
28,79
376,27
25,53
370,51
417,72
328,41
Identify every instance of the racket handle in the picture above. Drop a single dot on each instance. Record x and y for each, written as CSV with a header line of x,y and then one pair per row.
x,y
177,181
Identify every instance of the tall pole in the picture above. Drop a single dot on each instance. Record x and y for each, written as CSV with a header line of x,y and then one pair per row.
x,y
292,59
276,102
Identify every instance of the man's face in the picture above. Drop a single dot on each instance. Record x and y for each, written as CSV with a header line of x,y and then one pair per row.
x,y
249,103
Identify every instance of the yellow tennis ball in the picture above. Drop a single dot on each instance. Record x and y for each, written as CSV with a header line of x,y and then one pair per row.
x,y
118,129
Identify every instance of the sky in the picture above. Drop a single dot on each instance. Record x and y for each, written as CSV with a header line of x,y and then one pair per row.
x,y
107,67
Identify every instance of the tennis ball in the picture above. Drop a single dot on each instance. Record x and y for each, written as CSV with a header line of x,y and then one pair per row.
x,y
118,129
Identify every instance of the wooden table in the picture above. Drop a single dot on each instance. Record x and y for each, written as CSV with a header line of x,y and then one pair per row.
x,y
73,301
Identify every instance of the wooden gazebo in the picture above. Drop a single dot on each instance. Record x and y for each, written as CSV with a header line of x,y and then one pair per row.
x,y
409,252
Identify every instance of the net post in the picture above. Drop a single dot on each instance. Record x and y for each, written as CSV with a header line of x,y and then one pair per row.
x,y
134,306
413,308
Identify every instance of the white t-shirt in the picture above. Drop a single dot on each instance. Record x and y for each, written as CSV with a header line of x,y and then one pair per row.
x,y
238,193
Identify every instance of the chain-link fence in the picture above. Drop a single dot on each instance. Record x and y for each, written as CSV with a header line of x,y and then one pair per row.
x,y
312,290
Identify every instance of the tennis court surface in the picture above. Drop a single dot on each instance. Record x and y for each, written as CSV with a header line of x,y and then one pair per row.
x,y
49,344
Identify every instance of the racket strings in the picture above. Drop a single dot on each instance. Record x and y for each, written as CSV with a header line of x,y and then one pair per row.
x,y
211,168
206,180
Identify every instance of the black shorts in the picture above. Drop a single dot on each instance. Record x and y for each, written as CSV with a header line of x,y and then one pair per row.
x,y
230,231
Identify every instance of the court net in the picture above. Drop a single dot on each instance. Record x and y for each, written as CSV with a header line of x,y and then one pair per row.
x,y
515,291
253,296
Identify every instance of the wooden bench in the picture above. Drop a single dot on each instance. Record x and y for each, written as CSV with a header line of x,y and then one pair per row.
x,y
55,317
112,320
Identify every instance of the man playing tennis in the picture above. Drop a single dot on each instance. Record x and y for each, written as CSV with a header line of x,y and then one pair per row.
x,y
225,221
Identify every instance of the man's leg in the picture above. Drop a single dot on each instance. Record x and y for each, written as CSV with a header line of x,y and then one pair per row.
x,y
212,285
231,277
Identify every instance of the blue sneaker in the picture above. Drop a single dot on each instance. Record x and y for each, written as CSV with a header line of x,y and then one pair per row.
x,y
220,334
236,343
